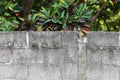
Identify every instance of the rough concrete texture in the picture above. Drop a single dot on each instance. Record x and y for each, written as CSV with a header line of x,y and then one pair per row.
x,y
59,56
103,56
39,56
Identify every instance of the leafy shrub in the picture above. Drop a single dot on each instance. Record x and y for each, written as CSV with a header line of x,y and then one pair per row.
x,y
60,16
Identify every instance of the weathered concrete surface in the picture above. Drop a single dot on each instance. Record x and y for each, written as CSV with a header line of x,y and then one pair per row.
x,y
39,56
13,39
13,72
59,56
103,39
103,56
45,40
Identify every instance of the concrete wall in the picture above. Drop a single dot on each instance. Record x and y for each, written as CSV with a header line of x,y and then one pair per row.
x,y
103,56
59,56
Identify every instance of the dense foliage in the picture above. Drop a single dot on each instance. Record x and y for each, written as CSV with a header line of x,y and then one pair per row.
x,y
60,15
107,15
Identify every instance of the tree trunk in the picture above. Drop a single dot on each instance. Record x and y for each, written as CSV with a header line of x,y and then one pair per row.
x,y
27,11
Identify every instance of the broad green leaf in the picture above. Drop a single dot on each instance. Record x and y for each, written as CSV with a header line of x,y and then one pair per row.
x,y
64,25
56,21
85,16
62,14
80,10
49,20
16,22
22,19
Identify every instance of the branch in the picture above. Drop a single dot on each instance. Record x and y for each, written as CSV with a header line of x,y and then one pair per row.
x,y
95,17
27,8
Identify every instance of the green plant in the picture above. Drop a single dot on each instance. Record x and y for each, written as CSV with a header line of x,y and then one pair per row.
x,y
81,11
60,16
32,18
107,15
6,25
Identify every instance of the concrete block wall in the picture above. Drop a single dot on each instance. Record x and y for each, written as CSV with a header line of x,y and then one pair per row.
x,y
103,56
59,56
39,55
